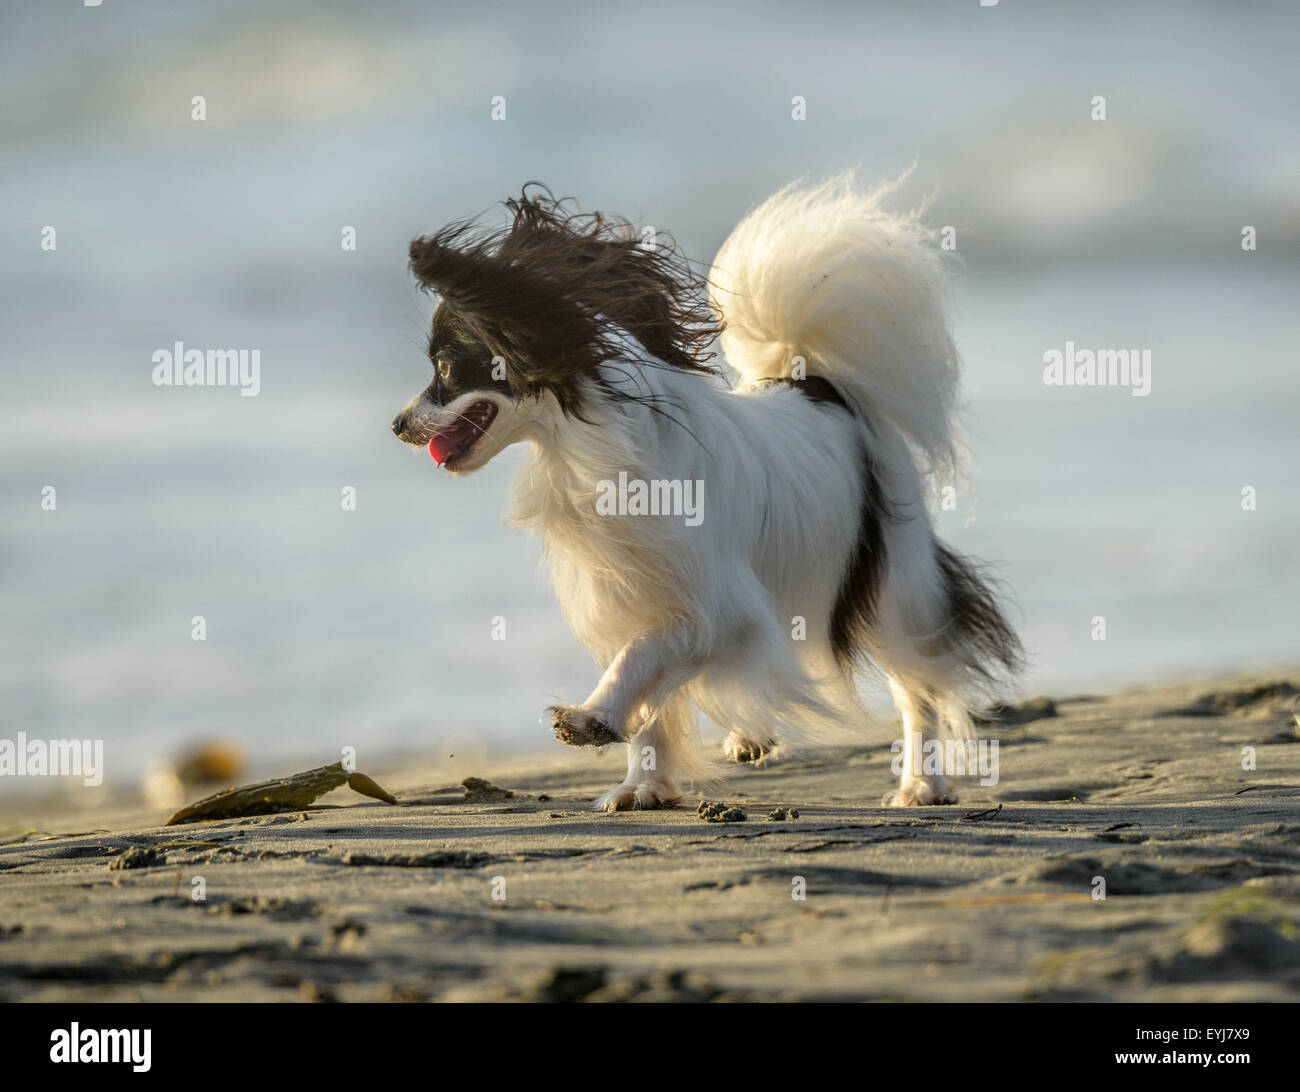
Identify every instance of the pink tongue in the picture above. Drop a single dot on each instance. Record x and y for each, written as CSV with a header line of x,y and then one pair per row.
x,y
440,446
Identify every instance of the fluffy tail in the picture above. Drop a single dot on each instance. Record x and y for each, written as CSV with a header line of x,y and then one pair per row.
x,y
826,274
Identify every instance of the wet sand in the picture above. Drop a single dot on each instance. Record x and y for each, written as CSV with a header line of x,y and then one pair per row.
x,y
453,896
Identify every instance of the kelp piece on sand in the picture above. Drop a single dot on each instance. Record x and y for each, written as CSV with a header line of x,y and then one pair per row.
x,y
291,793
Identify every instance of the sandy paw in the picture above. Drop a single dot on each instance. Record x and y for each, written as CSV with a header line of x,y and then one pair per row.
x,y
638,796
578,728
739,748
919,794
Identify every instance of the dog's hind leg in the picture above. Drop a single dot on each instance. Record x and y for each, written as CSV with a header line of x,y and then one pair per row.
x,y
923,681
940,634
922,781
811,673
739,747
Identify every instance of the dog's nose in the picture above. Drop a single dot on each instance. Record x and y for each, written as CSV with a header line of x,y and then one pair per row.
x,y
399,424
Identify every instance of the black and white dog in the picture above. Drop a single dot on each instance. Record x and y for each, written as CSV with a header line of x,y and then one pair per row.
x,y
813,558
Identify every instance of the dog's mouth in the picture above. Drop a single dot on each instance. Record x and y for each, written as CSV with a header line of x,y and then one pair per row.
x,y
450,445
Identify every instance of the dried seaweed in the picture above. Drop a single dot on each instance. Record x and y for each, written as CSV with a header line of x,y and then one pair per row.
x,y
291,793
359,782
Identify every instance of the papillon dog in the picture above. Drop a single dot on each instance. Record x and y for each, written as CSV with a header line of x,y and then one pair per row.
x,y
810,458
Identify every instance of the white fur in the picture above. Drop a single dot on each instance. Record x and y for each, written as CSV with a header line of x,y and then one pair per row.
x,y
684,618
827,273
699,615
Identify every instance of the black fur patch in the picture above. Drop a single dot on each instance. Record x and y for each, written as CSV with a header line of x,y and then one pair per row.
x,y
977,620
855,607
820,390
556,293
460,363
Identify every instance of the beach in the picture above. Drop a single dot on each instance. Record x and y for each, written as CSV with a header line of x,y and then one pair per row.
x,y
1126,853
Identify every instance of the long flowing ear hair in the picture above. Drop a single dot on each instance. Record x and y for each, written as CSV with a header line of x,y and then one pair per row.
x,y
559,292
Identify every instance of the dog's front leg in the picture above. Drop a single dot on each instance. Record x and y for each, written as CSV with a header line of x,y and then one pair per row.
x,y
651,753
627,706
641,674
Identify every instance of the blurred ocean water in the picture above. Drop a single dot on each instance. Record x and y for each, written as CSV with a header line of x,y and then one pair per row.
x,y
372,628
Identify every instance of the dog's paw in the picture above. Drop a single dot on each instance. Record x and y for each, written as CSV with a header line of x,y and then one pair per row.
x,y
639,795
578,728
739,748
919,793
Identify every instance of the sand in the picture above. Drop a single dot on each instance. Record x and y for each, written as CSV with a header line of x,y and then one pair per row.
x,y
534,897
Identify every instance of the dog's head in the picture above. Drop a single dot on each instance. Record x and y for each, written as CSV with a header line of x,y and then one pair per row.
x,y
529,313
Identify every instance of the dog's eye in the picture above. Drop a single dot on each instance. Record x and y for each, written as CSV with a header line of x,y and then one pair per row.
x,y
444,367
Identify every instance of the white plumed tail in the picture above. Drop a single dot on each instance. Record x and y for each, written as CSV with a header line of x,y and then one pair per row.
x,y
826,274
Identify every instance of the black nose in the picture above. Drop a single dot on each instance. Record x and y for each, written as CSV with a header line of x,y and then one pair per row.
x,y
399,423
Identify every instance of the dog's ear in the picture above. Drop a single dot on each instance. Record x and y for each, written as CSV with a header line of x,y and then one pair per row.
x,y
645,286
555,292
460,265
516,307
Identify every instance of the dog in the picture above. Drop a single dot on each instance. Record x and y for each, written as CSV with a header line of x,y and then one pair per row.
x,y
813,560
